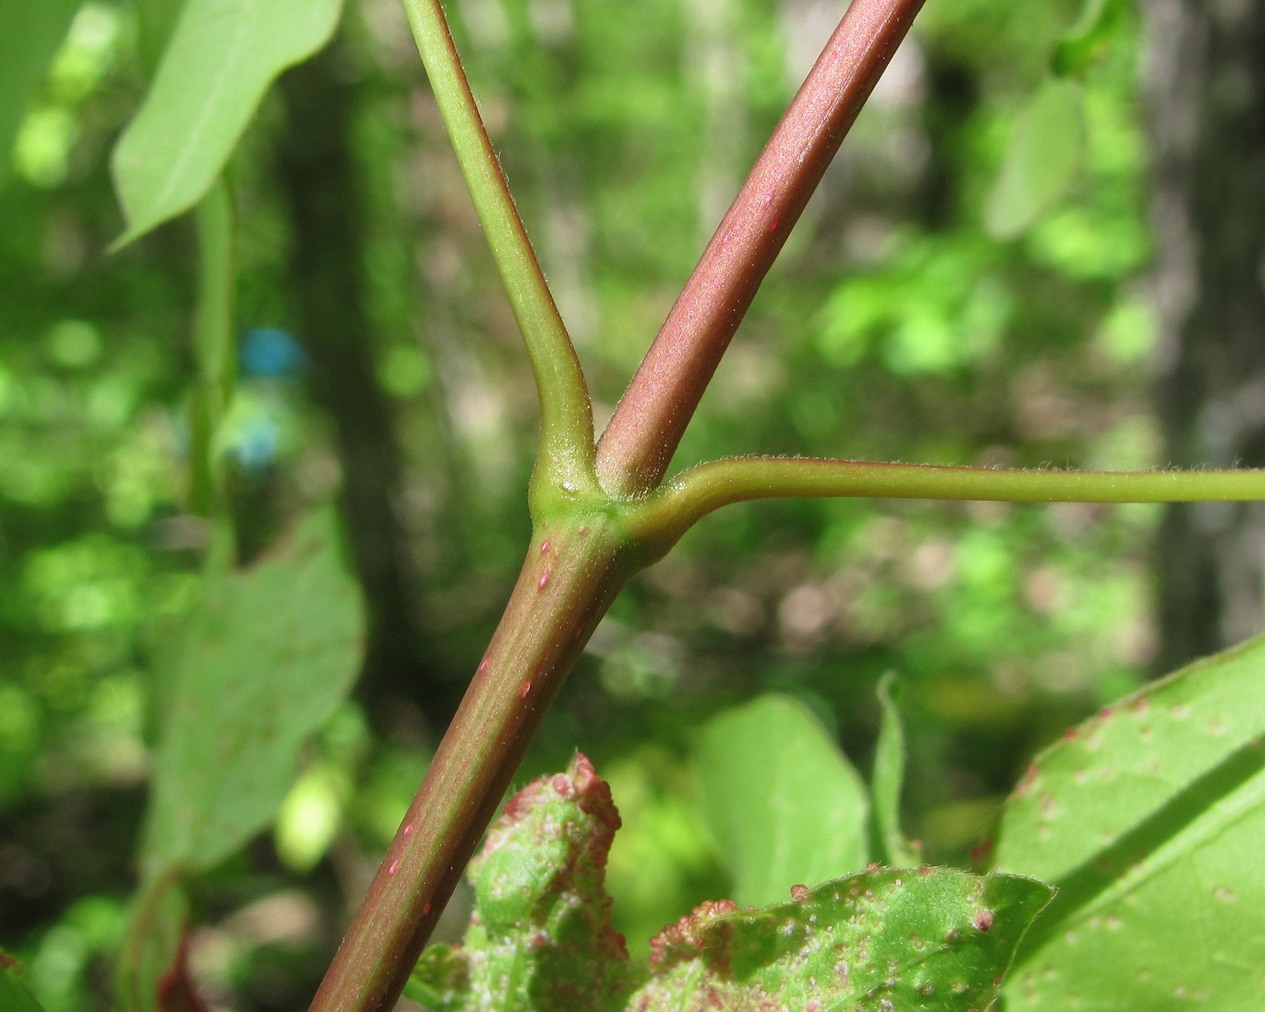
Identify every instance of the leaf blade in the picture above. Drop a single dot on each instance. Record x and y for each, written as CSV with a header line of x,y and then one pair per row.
x,y
1041,160
219,62
889,939
781,799
263,663
1148,817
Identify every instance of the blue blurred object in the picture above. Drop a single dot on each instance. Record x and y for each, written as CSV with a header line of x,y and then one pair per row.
x,y
272,352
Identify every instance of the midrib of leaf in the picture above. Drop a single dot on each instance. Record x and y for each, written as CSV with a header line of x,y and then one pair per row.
x,y
1245,801
243,28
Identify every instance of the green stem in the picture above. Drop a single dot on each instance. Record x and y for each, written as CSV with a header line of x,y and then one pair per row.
x,y
215,354
665,514
566,418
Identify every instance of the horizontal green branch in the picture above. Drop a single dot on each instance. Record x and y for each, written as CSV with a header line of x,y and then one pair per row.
x,y
683,500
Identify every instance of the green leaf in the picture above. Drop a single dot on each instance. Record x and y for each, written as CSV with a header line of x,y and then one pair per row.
x,y
1086,40
264,662
14,997
540,938
541,934
29,36
926,938
891,847
441,980
784,804
220,60
1040,162
1148,818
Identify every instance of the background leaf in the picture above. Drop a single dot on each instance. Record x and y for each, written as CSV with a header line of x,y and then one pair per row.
x,y
29,36
1149,819
264,662
1041,160
14,997
219,62
784,804
1100,20
890,845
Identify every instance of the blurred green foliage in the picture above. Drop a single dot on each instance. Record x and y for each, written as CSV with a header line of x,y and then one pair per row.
x,y
894,327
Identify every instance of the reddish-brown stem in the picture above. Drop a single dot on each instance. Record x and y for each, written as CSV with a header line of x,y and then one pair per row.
x,y
567,582
637,446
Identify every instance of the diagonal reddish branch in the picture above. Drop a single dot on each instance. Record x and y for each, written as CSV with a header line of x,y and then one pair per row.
x,y
638,444
567,582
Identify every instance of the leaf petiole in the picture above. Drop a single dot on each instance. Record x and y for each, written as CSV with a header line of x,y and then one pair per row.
x,y
664,515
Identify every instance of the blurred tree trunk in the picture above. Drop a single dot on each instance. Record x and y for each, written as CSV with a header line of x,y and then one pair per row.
x,y
318,178
1207,75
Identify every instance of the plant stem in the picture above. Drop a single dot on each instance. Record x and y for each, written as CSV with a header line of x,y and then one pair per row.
x,y
214,350
667,513
637,446
566,418
572,572
580,553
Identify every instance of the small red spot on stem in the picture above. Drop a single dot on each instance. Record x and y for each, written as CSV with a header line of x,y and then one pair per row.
x,y
522,693
407,830
425,909
544,580
392,866
982,920
544,547
483,665
799,893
